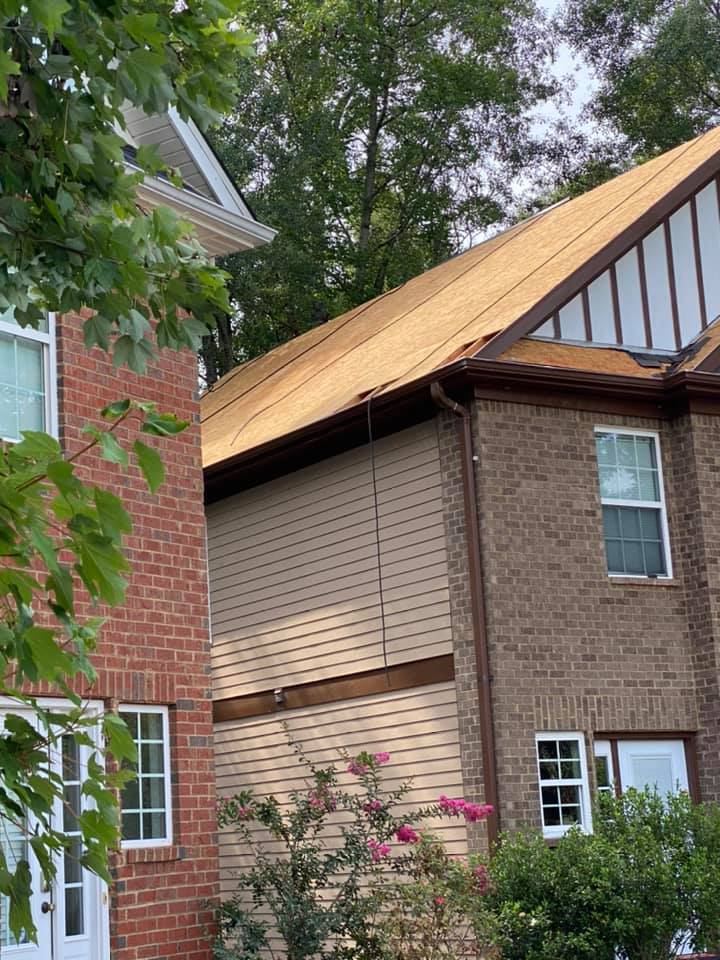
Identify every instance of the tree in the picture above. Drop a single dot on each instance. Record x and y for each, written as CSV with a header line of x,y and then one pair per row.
x,y
72,238
658,64
378,136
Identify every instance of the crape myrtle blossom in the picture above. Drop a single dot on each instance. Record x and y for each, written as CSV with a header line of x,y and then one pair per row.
x,y
378,850
364,762
456,807
373,806
406,834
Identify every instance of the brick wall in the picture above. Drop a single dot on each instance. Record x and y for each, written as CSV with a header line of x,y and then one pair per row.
x,y
571,649
156,649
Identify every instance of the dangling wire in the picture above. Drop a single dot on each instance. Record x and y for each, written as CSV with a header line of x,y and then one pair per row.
x,y
373,470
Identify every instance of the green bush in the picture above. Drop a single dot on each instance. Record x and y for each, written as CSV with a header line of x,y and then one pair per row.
x,y
643,886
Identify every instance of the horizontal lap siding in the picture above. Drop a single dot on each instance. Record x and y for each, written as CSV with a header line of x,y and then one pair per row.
x,y
294,576
418,728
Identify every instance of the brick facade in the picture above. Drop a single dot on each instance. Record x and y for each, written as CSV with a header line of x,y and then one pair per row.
x,y
570,648
156,648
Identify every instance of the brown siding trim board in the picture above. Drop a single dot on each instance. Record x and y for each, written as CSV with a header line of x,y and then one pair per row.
x,y
404,676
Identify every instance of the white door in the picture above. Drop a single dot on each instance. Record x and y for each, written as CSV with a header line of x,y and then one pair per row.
x,y
71,916
653,763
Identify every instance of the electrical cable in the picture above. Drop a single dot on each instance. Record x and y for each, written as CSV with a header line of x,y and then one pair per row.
x,y
378,551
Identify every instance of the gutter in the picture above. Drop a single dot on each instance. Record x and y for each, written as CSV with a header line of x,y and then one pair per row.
x,y
477,603
398,407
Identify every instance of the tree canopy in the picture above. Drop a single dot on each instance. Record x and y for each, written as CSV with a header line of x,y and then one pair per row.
x,y
378,136
72,239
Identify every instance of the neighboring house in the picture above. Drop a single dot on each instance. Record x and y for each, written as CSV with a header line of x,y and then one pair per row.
x,y
153,660
515,588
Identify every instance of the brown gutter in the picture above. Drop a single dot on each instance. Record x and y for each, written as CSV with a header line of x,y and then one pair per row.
x,y
410,403
477,602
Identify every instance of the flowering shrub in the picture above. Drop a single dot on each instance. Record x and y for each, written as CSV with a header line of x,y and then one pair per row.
x,y
381,889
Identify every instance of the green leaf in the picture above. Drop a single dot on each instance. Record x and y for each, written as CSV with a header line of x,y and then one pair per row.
x,y
50,660
49,13
111,450
164,424
114,519
37,446
151,464
116,409
8,68
119,741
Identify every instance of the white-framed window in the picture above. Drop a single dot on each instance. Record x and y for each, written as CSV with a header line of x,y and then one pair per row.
x,y
604,767
635,527
645,762
563,779
146,800
28,380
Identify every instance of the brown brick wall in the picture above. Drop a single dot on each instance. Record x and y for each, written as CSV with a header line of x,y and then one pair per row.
x,y
570,648
156,649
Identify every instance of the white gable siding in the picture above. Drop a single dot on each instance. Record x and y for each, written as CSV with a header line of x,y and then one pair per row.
x,y
659,295
294,572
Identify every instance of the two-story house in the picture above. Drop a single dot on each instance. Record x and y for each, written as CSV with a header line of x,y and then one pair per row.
x,y
153,661
474,522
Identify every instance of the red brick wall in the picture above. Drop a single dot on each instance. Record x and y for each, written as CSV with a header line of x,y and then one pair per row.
x,y
156,648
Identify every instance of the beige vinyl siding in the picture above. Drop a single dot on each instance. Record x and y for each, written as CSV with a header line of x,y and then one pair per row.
x,y
294,573
419,729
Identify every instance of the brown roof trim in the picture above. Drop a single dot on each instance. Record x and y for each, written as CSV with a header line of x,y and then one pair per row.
x,y
593,267
498,379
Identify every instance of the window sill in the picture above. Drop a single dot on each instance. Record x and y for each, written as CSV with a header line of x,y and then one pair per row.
x,y
644,581
152,854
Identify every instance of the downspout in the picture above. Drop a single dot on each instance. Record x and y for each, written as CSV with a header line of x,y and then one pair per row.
x,y
477,602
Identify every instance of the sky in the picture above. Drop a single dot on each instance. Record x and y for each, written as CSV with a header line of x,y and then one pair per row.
x,y
568,65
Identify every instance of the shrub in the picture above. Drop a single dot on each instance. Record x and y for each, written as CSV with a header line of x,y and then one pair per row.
x,y
643,886
340,897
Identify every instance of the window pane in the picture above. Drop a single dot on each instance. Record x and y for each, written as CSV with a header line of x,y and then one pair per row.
x,y
74,911
73,869
547,749
29,365
634,561
570,770
605,445
550,795
611,521
131,826
626,451
638,549
7,360
31,411
615,561
649,488
570,815
153,793
153,826
609,484
628,484
645,448
569,749
151,758
654,562
549,770
131,795
131,722
551,816
151,726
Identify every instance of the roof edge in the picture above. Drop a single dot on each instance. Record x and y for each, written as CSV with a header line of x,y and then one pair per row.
x,y
600,261
403,406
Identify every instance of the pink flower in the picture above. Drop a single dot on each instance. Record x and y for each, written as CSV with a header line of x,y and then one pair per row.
x,y
482,881
406,834
357,768
440,901
381,758
321,800
372,806
457,806
378,850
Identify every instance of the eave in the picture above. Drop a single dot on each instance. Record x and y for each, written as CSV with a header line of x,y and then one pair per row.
x,y
221,231
394,409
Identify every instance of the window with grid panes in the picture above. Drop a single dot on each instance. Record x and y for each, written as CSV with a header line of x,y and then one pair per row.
x,y
145,801
27,400
562,773
633,505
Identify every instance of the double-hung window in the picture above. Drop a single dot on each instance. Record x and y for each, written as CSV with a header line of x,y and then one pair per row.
x,y
564,791
27,377
145,801
633,503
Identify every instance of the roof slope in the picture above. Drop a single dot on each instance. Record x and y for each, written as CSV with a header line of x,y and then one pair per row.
x,y
451,311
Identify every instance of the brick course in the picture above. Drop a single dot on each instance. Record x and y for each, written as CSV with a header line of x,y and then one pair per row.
x,y
570,648
155,649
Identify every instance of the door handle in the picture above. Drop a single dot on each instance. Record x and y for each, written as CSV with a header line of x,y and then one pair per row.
x,y
47,907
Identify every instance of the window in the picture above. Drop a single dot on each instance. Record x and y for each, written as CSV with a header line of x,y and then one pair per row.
x,y
145,801
633,503
604,770
27,377
650,761
562,771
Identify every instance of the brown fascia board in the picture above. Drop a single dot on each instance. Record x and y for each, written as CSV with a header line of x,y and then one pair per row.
x,y
411,403
612,251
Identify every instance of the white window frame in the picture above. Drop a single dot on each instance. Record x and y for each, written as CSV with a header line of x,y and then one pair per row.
x,y
554,832
603,749
49,342
167,840
651,504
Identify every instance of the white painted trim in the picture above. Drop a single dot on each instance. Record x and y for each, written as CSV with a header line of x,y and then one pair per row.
x,y
207,163
165,713
602,748
554,832
49,364
233,231
653,504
